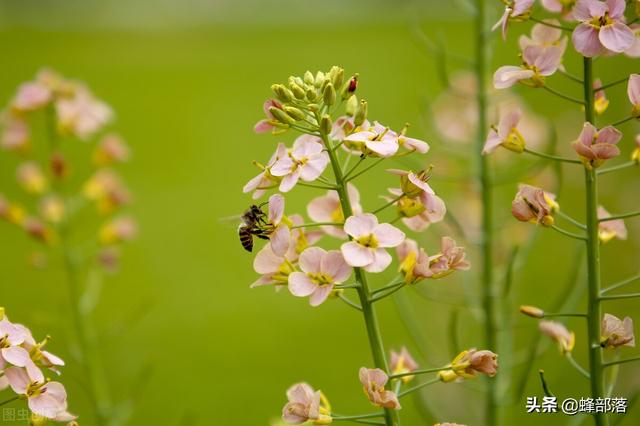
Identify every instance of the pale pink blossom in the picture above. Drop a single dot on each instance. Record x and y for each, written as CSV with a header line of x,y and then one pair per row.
x,y
15,133
82,115
327,209
601,103
274,269
306,160
47,399
610,229
32,178
268,124
111,149
533,204
616,332
412,144
517,10
538,62
265,180
633,91
377,139
301,238
414,262
451,258
594,146
367,250
304,405
472,361
280,234
544,36
402,362
31,96
558,332
634,50
118,230
345,126
321,271
602,27
374,381
419,212
505,134
108,191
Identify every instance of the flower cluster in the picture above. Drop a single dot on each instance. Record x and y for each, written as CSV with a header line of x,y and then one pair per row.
x,y
336,145
22,362
70,112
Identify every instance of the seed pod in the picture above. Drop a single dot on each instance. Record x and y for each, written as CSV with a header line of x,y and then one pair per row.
x,y
361,113
294,113
281,116
325,124
329,94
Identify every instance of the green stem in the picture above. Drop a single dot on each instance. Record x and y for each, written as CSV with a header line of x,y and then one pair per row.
x,y
621,296
614,83
551,157
9,401
621,284
390,203
571,220
486,189
616,168
346,300
567,233
564,314
387,287
417,387
593,260
577,366
621,361
620,216
368,311
380,296
545,386
548,24
563,96
366,169
356,416
308,225
624,120
418,372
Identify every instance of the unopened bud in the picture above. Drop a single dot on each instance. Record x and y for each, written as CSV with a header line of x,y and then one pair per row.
x,y
295,80
312,95
294,113
337,76
298,91
361,113
352,106
447,376
308,77
1,313
532,311
349,88
320,78
313,107
548,220
329,94
635,156
281,116
282,93
325,124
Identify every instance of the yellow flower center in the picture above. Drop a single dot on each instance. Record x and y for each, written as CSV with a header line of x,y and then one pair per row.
x,y
320,278
369,241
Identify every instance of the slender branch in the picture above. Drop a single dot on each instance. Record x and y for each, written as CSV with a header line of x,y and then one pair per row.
x,y
418,372
381,296
619,216
621,296
355,167
390,203
613,83
577,366
9,401
366,169
417,387
548,24
571,76
551,157
571,220
624,120
341,286
545,387
311,185
568,234
620,361
616,168
387,287
564,314
621,284
562,95
346,300
337,417
309,225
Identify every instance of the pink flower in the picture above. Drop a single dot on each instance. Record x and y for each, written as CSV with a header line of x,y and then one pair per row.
x,y
451,258
15,133
31,96
633,90
280,235
306,404
544,36
274,269
301,239
558,332
265,179
517,10
534,205
538,62
307,161
367,250
82,115
119,230
321,270
412,144
601,103
414,262
505,134
610,229
327,208
565,7
602,28
374,381
634,50
377,139
595,146
32,178
615,332
402,362
472,361
419,212
270,123
111,149
47,399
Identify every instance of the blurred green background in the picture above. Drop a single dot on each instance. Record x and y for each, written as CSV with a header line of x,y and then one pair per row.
x,y
187,80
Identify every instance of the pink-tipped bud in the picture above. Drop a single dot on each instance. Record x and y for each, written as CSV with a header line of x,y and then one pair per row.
x,y
532,311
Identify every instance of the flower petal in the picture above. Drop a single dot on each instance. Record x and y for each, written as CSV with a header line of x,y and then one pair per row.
x,y
356,255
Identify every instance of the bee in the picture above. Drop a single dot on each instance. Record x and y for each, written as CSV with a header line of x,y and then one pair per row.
x,y
254,223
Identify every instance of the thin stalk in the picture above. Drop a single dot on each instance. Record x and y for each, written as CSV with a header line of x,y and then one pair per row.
x,y
368,311
571,77
390,203
418,372
308,225
548,24
613,83
624,120
545,386
381,296
593,260
577,366
564,314
620,216
616,168
387,287
620,361
621,284
552,157
366,169
356,416
563,96
311,185
567,233
571,220
417,387
621,296
346,300
9,401
486,189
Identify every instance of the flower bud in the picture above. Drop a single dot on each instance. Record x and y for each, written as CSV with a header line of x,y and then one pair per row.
x,y
329,94
447,376
351,106
326,124
294,113
282,93
308,77
349,88
298,91
295,80
532,311
336,74
312,95
319,80
1,313
361,113
281,116
313,107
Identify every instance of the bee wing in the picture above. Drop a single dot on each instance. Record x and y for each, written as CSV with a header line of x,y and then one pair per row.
x,y
231,221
